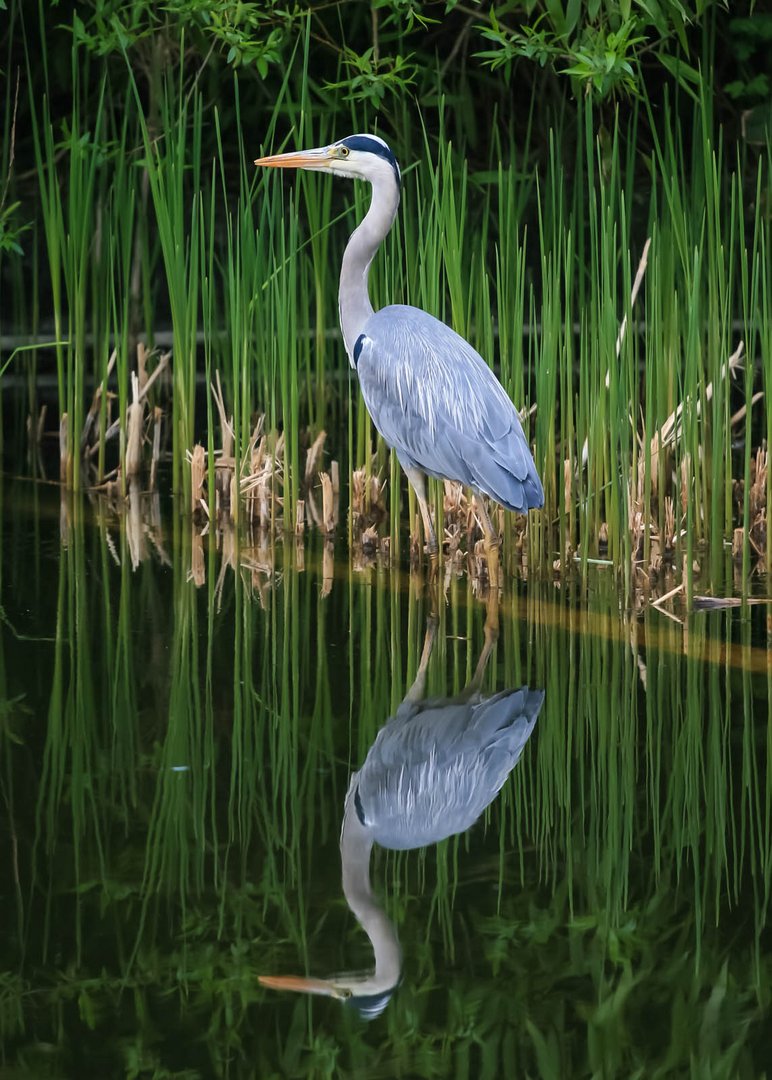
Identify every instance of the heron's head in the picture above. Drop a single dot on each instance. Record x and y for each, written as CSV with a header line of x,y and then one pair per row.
x,y
357,157
362,993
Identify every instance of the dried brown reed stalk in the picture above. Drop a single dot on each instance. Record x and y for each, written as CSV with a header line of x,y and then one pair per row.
x,y
135,531
134,424
636,517
637,282
358,484
758,489
159,369
41,425
641,516
197,461
670,525
738,543
737,418
369,539
138,515
368,501
686,483
197,572
92,416
225,463
157,418
477,569
327,521
227,541
329,515
262,485
757,507
660,601
717,603
328,568
256,482
671,430
313,454
300,555
65,457
458,517
142,358
93,442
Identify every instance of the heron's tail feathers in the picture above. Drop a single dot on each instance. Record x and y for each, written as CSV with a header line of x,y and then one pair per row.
x,y
506,720
506,471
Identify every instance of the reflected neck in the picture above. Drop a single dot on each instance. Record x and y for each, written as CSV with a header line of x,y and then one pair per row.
x,y
355,847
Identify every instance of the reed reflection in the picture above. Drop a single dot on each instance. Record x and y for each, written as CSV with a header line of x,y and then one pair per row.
x,y
433,769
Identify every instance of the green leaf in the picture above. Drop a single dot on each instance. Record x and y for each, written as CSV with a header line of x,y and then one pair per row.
x,y
572,15
547,1057
688,78
557,16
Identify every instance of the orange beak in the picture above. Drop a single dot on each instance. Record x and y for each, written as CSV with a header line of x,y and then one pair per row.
x,y
302,985
298,159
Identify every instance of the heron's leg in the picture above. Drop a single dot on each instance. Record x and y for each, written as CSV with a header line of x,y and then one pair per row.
x,y
491,637
418,481
472,688
418,690
491,542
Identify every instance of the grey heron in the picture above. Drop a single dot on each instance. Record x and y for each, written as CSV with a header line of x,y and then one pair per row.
x,y
430,394
433,769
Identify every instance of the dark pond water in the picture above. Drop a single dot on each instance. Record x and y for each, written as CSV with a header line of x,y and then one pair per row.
x,y
569,805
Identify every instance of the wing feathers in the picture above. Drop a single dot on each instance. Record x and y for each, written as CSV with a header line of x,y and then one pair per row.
x,y
436,401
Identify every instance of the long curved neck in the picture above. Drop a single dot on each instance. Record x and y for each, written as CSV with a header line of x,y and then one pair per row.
x,y
355,847
353,298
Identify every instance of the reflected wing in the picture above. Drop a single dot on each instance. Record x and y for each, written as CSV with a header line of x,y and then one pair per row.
x,y
432,772
436,401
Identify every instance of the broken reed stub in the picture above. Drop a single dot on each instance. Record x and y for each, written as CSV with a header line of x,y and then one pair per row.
x,y
197,474
328,504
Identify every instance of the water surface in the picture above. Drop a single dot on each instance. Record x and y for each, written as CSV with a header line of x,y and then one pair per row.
x,y
181,718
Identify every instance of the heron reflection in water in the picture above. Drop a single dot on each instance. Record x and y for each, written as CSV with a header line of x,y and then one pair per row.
x,y
431,772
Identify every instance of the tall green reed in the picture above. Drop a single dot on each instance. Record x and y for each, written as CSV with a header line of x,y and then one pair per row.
x,y
532,261
173,163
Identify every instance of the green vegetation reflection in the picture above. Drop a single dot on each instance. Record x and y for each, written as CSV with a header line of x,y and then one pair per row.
x,y
173,774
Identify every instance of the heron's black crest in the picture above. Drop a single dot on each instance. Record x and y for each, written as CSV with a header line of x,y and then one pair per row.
x,y
370,145
358,348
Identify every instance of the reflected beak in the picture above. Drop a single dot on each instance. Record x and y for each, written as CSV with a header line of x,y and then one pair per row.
x,y
302,985
298,159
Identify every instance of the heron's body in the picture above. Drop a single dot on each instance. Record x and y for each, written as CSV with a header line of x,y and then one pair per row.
x,y
437,764
439,405
430,394
433,769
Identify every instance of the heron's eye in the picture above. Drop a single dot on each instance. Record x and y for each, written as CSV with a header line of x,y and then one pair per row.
x,y
343,151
